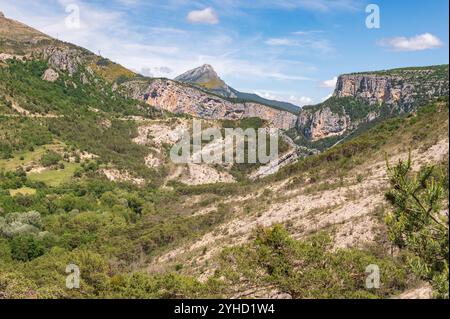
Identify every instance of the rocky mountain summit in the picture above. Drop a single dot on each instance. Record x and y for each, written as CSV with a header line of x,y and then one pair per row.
x,y
206,78
364,97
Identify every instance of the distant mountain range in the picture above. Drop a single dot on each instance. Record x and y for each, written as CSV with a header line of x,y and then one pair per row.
x,y
206,78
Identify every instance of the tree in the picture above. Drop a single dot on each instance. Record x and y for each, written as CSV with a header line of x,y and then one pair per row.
x,y
419,223
26,248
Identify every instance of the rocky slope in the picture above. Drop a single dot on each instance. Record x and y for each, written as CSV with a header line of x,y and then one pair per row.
x,y
18,38
364,97
176,97
323,123
206,78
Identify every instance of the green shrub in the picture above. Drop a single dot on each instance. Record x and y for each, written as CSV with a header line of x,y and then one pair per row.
x,y
308,268
26,248
50,158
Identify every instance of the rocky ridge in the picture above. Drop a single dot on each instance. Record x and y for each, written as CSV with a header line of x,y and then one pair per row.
x,y
180,98
402,88
364,97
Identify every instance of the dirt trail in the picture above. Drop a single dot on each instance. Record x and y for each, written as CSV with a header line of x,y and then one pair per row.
x,y
26,113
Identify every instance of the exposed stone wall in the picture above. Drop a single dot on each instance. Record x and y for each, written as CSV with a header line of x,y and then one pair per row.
x,y
175,97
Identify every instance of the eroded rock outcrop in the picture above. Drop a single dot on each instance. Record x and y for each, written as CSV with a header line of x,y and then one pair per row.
x,y
323,123
180,98
376,89
404,88
364,97
50,75
63,59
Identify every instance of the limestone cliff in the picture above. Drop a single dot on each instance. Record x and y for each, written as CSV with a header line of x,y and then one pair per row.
x,y
402,88
375,89
323,123
176,97
363,97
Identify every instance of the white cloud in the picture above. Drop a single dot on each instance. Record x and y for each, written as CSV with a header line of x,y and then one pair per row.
x,y
129,2
301,100
321,46
205,16
418,43
331,84
301,33
282,96
266,95
281,42
166,30
161,71
326,97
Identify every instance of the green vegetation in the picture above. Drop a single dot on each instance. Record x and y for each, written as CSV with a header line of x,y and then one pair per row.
x,y
419,223
271,260
78,126
21,134
411,130
57,176
438,70
111,72
68,95
354,108
307,268
50,158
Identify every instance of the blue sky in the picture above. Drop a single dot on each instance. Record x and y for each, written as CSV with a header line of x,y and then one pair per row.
x,y
289,50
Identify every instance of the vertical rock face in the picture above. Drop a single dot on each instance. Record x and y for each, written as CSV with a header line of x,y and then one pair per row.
x,y
180,98
403,88
63,59
316,125
376,89
359,98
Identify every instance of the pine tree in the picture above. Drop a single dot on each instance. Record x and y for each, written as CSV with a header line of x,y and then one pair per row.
x,y
419,220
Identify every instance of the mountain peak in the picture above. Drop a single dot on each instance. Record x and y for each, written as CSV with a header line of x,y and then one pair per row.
x,y
207,67
206,77
200,75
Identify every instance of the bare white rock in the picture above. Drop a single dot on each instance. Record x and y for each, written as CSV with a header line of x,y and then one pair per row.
x,y
50,75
